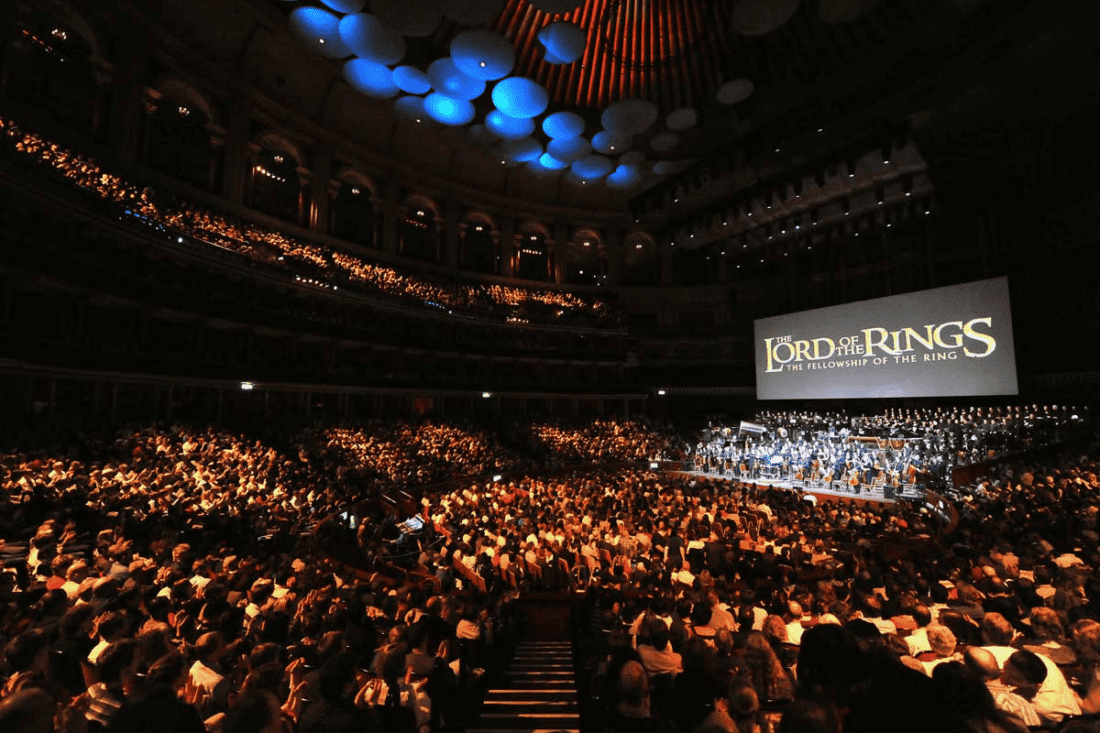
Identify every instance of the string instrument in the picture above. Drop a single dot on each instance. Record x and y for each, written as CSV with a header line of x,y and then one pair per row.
x,y
853,477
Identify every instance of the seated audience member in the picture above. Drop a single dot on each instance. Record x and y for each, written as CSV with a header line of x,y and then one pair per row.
x,y
735,711
632,714
655,650
943,643
1086,639
983,664
1053,699
29,710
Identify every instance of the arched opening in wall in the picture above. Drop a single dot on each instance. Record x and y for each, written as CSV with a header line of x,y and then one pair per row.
x,y
276,188
177,138
696,266
585,263
533,256
49,66
480,246
354,218
641,265
417,233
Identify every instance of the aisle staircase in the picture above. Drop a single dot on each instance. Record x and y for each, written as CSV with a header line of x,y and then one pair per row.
x,y
537,694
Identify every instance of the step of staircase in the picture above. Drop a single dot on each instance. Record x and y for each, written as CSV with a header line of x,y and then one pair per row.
x,y
538,693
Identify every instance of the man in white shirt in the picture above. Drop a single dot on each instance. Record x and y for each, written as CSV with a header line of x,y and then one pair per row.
x,y
1054,698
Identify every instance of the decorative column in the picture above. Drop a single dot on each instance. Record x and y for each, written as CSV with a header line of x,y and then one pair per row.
x,y
507,246
320,203
239,153
664,254
390,194
558,250
451,240
613,254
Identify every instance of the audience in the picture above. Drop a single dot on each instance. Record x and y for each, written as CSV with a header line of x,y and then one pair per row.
x,y
169,568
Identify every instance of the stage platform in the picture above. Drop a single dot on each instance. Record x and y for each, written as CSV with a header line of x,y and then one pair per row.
x,y
827,491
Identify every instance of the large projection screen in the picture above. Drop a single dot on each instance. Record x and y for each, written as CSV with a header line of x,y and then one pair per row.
x,y
943,342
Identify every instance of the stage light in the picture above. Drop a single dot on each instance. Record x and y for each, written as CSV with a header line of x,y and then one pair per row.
x,y
907,186
846,205
486,395
563,125
447,79
564,42
482,54
509,128
247,386
370,78
411,80
520,97
661,392
371,39
886,151
851,167
880,195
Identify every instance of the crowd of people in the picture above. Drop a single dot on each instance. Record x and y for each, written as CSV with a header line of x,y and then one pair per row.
x,y
190,223
180,578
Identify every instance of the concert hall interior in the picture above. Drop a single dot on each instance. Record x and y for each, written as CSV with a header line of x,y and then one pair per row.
x,y
426,366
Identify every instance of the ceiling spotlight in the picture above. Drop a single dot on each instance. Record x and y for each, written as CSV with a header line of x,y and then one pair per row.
x,y
886,154
851,167
880,195
846,204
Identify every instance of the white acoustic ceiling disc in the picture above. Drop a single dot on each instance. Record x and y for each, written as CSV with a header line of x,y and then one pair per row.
x,y
734,91
760,17
629,116
682,119
664,142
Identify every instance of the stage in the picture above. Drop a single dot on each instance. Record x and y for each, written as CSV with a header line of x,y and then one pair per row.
x,y
822,489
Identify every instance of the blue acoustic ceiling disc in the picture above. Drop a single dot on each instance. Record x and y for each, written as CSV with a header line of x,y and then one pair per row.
x,y
370,78
550,163
448,110
447,79
611,143
517,96
509,128
563,41
346,6
483,54
521,150
563,124
320,31
411,80
371,39
569,149
593,166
